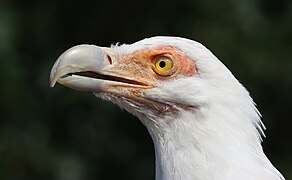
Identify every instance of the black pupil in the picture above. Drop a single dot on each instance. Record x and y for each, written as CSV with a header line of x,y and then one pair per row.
x,y
162,64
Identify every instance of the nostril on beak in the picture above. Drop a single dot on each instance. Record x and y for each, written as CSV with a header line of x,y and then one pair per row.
x,y
109,59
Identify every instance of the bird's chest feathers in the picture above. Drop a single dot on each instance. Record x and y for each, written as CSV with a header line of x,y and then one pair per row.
x,y
191,148
180,157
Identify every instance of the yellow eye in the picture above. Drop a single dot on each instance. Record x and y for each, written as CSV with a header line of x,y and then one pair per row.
x,y
163,64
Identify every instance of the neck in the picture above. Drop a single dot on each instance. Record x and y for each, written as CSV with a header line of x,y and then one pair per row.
x,y
193,146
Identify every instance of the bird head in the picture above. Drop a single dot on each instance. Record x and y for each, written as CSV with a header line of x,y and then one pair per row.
x,y
202,120
154,78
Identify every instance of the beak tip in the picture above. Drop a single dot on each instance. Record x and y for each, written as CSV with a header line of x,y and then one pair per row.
x,y
52,83
52,80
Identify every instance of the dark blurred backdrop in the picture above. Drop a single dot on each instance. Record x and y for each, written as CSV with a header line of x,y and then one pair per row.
x,y
61,134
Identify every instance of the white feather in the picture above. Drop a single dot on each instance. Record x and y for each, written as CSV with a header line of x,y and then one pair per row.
x,y
220,139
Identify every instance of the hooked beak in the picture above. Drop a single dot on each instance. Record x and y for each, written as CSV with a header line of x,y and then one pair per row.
x,y
90,68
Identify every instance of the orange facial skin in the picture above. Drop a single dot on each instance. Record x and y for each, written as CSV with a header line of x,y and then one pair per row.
x,y
140,65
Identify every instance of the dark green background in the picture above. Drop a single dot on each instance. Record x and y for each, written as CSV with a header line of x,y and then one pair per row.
x,y
61,134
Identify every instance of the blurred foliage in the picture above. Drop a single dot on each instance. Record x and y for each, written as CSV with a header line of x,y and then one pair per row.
x,y
68,135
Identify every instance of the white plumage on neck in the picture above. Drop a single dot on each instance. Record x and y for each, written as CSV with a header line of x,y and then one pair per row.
x,y
220,138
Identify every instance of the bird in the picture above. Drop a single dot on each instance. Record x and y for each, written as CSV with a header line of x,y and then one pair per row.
x,y
202,120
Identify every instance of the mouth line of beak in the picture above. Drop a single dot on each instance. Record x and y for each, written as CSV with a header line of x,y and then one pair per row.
x,y
95,75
